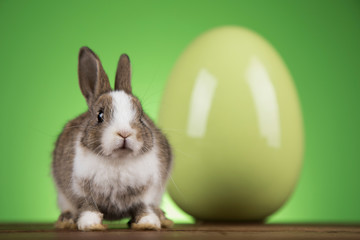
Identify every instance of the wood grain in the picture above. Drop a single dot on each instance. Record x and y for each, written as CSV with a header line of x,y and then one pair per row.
x,y
196,231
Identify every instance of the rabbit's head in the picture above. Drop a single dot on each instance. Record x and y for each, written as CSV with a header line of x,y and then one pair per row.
x,y
116,125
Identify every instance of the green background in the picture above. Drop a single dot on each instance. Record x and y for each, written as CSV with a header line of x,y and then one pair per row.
x,y
39,42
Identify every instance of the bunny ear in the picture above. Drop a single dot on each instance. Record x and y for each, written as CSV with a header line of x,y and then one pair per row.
x,y
92,77
123,74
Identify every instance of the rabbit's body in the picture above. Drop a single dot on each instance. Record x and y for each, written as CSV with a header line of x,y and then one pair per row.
x,y
111,161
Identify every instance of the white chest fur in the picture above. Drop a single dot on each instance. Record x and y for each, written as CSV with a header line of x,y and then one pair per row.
x,y
108,174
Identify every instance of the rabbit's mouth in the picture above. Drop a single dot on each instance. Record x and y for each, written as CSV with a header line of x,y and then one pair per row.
x,y
124,148
125,145
120,152
119,149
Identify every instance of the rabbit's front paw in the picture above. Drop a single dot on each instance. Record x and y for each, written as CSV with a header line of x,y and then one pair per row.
x,y
90,221
148,222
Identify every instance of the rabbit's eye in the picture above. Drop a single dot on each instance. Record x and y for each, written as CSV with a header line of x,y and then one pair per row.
x,y
100,116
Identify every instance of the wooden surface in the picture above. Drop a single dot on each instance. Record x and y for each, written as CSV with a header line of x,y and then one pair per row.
x,y
199,231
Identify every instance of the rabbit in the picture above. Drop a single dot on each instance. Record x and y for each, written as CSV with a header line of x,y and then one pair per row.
x,y
111,162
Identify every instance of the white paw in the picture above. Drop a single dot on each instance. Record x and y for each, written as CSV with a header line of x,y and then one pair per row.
x,y
89,220
150,219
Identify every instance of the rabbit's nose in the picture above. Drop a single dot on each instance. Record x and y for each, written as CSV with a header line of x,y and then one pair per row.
x,y
123,134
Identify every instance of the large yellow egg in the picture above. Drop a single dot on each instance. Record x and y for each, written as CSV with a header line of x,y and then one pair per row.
x,y
232,115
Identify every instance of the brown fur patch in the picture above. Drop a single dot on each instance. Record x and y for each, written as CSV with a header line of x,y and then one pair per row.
x,y
94,129
166,223
66,224
66,220
63,155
